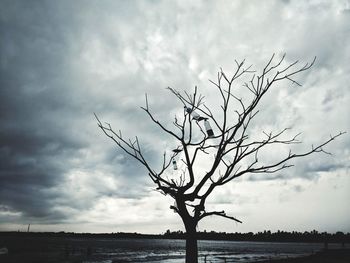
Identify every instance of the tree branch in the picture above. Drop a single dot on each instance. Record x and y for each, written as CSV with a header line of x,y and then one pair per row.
x,y
219,213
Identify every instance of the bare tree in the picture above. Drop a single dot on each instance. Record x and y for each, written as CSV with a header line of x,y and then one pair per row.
x,y
234,151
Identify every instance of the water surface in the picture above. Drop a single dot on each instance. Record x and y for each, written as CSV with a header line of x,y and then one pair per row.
x,y
112,250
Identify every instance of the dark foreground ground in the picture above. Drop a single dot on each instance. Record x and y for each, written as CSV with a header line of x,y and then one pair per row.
x,y
46,248
325,256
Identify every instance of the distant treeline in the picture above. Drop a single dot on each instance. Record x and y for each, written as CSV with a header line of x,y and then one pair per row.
x,y
266,236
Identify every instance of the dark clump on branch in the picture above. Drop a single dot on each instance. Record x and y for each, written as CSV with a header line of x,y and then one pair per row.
x,y
234,152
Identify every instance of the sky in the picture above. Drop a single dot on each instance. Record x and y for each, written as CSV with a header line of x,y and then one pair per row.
x,y
61,61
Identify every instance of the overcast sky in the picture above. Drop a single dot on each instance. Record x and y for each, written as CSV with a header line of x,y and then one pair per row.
x,y
60,61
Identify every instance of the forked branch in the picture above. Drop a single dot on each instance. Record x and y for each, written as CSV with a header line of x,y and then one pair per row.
x,y
233,152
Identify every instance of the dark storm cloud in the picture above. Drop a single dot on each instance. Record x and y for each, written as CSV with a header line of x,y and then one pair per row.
x,y
35,146
37,107
44,114
29,164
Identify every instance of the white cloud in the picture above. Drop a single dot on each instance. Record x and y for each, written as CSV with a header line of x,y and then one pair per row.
x,y
104,57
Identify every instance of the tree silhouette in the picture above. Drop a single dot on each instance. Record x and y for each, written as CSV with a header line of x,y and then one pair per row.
x,y
233,149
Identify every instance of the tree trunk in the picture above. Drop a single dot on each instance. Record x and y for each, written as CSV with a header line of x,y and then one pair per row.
x,y
191,243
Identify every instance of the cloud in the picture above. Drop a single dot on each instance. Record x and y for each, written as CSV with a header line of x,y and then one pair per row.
x,y
62,61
